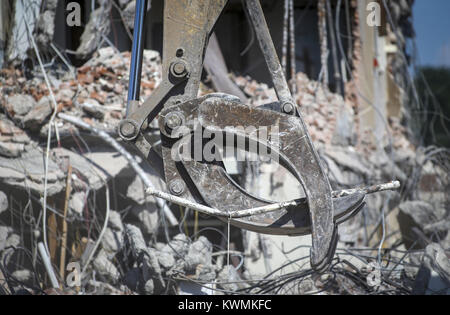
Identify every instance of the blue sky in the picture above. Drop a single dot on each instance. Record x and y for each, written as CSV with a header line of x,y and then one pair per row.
x,y
432,25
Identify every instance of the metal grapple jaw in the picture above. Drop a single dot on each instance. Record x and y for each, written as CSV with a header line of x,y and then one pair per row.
x,y
195,137
182,116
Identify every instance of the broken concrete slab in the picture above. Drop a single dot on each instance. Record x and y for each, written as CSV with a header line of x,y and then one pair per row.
x,y
11,150
415,218
349,159
28,172
17,43
10,133
421,212
96,167
38,114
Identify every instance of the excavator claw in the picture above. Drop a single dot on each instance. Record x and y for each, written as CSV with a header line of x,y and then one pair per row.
x,y
205,124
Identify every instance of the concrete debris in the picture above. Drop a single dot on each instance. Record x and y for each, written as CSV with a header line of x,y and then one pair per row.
x,y
200,253
146,260
149,287
229,279
27,173
136,191
151,268
98,26
38,114
45,28
77,203
348,159
420,220
179,246
344,133
13,241
10,133
148,218
115,221
106,288
434,273
206,273
7,247
19,105
106,268
24,276
93,108
166,260
421,212
441,226
11,150
128,14
135,240
12,139
93,169
112,241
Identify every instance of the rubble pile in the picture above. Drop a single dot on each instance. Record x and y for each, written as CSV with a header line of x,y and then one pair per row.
x,y
97,92
136,254
144,267
104,82
99,89
319,107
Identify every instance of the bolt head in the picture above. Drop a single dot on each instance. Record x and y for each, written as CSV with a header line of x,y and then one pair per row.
x,y
128,129
177,187
173,120
288,108
179,68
